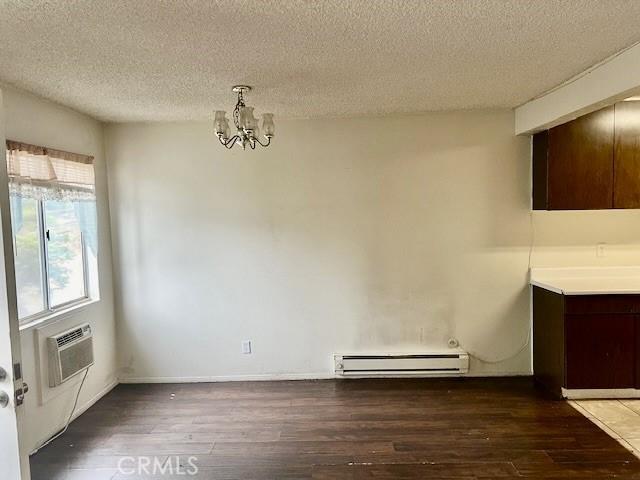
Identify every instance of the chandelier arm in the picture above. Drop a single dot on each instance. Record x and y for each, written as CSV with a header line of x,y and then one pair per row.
x,y
230,142
263,144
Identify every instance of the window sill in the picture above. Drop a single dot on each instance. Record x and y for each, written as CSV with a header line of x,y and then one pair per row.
x,y
60,314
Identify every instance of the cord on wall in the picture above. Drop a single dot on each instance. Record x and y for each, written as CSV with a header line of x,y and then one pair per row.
x,y
532,229
532,241
73,410
524,346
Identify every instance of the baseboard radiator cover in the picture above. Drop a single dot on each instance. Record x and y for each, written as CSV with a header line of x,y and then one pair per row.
x,y
447,363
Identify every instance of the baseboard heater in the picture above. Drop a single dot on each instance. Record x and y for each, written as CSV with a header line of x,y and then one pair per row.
x,y
390,365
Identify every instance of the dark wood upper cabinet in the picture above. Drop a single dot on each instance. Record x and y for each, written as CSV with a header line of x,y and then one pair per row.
x,y
627,155
573,164
592,162
540,170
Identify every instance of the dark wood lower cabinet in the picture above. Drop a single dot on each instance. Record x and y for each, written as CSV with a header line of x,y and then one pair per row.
x,y
586,342
600,351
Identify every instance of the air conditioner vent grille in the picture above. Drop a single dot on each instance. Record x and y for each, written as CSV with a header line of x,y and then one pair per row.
x,y
70,352
69,337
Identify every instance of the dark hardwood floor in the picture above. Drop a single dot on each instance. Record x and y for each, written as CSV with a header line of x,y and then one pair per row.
x,y
462,429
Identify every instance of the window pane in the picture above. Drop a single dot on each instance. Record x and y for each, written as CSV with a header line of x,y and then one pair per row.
x,y
27,246
64,252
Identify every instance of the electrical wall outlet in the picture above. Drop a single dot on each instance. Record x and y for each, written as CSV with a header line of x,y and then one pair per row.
x,y
601,250
246,347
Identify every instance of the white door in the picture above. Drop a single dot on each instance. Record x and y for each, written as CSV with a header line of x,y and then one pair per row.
x,y
12,463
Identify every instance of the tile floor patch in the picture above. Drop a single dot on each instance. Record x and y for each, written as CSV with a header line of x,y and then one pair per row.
x,y
620,419
632,404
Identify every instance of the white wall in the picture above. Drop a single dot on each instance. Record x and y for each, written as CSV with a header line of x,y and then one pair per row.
x,y
567,239
33,120
383,234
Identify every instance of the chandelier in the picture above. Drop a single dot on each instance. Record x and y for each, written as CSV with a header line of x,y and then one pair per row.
x,y
248,131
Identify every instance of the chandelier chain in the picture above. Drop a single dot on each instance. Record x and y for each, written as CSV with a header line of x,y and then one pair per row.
x,y
236,111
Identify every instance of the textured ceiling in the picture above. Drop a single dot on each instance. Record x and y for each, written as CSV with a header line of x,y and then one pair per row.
x,y
150,60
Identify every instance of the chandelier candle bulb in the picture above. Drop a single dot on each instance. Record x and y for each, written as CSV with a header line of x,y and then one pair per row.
x,y
247,125
268,128
251,124
242,118
219,122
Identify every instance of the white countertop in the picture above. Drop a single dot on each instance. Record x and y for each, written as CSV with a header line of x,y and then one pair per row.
x,y
587,280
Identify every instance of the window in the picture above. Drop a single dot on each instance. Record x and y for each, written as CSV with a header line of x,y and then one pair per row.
x,y
53,217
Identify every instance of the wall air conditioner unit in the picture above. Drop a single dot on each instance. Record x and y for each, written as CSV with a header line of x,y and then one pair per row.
x,y
450,362
70,352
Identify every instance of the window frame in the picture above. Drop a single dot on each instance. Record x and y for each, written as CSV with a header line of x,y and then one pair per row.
x,y
50,310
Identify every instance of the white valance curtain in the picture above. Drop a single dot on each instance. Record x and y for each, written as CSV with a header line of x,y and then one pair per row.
x,y
48,174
